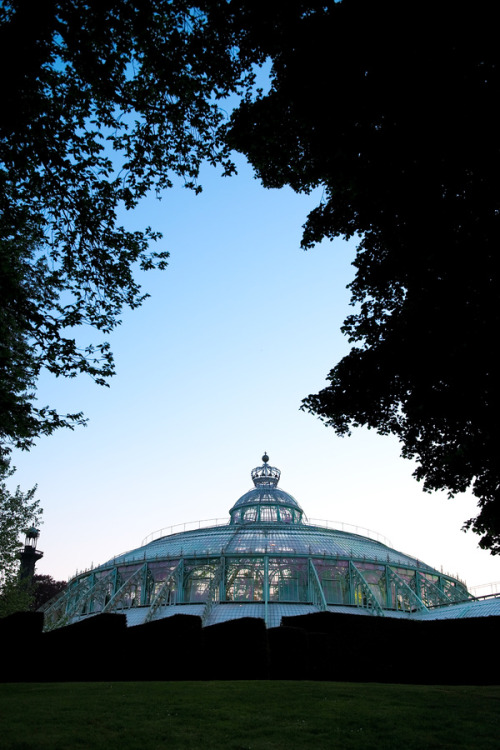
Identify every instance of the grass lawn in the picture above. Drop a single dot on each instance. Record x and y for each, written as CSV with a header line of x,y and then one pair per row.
x,y
241,715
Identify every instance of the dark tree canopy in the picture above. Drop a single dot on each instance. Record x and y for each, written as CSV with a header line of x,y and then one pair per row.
x,y
390,107
393,109
44,589
102,102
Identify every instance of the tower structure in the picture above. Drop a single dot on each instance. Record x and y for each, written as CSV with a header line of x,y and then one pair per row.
x,y
30,554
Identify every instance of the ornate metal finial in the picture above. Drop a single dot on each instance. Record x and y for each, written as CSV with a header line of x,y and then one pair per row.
x,y
265,474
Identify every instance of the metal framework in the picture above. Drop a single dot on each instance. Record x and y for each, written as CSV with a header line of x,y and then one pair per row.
x,y
404,595
165,592
256,578
124,593
440,591
59,610
213,588
317,594
362,593
265,554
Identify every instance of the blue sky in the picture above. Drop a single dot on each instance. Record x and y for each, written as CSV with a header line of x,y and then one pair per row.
x,y
210,374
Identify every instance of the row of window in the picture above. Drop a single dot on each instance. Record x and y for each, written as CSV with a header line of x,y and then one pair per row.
x,y
287,581
265,514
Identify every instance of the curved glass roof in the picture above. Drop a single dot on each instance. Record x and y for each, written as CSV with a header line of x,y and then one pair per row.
x,y
266,495
266,503
269,539
266,553
266,520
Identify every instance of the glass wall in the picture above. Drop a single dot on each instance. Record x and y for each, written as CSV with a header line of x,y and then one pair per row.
x,y
245,579
261,577
288,580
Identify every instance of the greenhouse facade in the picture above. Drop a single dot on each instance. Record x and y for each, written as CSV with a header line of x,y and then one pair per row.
x,y
267,561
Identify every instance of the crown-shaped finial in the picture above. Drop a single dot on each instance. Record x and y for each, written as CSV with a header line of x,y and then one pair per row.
x,y
266,475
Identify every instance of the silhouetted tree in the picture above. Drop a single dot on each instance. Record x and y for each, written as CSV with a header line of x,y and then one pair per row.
x,y
390,107
393,109
44,588
102,102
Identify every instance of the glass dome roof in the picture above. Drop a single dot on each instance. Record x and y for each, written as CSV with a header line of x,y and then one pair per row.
x,y
266,503
268,561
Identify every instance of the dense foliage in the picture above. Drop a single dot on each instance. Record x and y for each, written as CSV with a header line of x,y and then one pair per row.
x,y
44,589
392,108
18,511
103,102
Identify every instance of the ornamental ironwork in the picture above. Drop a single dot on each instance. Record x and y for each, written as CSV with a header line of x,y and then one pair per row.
x,y
265,561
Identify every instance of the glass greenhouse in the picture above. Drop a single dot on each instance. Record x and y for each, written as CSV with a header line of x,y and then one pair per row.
x,y
267,561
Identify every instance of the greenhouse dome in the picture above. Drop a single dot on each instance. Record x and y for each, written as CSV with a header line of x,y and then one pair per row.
x,y
267,561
